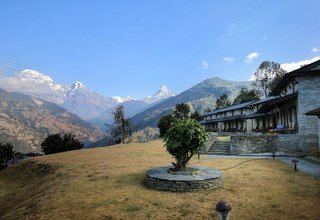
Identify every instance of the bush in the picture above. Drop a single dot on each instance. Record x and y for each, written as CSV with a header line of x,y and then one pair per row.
x,y
145,135
6,152
56,143
183,140
315,152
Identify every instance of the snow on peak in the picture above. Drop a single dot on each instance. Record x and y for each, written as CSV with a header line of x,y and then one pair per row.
x,y
119,99
36,77
162,93
77,85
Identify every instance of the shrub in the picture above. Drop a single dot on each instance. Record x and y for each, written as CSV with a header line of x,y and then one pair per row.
x,y
56,143
183,140
145,135
315,152
6,152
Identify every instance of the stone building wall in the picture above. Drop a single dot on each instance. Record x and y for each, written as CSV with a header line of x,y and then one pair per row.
x,y
308,99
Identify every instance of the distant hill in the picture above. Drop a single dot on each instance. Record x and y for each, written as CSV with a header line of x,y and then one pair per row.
x,y
200,97
25,121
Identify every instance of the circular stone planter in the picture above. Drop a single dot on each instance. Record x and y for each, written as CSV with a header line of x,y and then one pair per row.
x,y
200,178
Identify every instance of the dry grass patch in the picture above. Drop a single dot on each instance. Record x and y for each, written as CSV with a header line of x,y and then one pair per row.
x,y
107,183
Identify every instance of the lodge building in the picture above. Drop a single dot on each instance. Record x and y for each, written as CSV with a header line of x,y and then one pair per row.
x,y
297,93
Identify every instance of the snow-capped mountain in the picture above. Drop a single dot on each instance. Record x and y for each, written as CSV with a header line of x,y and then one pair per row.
x,y
85,103
122,99
162,93
33,76
76,98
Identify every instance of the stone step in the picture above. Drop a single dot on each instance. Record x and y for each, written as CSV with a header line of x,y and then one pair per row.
x,y
219,153
219,149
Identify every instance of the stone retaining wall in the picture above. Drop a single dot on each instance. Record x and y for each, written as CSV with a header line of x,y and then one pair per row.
x,y
252,143
292,144
160,179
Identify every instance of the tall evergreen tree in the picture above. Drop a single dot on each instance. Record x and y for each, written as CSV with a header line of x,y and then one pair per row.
x,y
266,76
223,101
246,95
121,126
181,111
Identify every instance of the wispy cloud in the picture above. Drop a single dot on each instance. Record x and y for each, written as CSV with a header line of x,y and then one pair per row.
x,y
231,29
204,65
264,37
251,57
295,65
228,59
315,50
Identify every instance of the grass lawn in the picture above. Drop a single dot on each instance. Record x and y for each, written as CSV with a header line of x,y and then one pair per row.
x,y
106,183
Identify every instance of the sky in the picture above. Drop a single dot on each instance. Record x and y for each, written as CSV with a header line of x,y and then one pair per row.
x,y
131,48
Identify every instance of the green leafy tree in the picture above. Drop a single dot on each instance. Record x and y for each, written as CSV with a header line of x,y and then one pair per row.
x,y
183,140
267,75
223,101
56,143
165,123
207,110
6,152
181,111
246,95
121,126
196,115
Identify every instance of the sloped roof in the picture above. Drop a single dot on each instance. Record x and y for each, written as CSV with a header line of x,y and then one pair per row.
x,y
314,112
230,108
242,105
312,69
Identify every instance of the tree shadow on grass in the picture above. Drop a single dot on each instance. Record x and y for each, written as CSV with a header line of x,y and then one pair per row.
x,y
26,182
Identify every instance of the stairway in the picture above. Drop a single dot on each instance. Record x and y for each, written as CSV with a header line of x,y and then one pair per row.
x,y
220,148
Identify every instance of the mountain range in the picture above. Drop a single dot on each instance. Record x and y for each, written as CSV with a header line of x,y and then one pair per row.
x,y
199,97
36,106
27,120
76,98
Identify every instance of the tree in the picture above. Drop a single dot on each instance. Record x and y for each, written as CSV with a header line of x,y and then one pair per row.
x,y
183,140
246,95
165,123
6,152
207,110
121,126
223,101
267,72
56,143
181,111
196,115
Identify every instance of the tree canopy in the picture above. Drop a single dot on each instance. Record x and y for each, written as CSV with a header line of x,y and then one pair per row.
x,y
267,75
181,111
196,115
121,127
223,101
246,95
56,143
165,123
6,152
183,140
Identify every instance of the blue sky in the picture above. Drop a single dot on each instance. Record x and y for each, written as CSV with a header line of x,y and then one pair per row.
x,y
133,47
